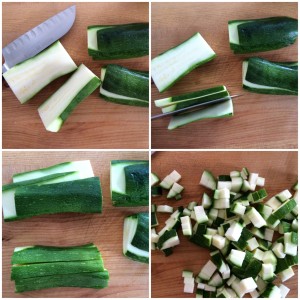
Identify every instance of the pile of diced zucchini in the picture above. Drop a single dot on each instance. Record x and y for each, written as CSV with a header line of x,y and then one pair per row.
x,y
252,238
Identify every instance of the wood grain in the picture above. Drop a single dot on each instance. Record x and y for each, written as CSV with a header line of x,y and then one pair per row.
x,y
280,170
128,279
260,121
95,123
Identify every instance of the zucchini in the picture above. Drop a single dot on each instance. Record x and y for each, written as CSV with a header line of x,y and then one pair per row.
x,y
84,168
57,108
129,182
118,41
26,79
46,254
258,35
55,268
8,191
124,86
154,179
40,267
78,196
170,66
204,96
266,77
136,237
96,280
220,110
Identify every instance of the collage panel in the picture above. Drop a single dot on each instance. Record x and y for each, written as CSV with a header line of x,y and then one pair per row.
x,y
244,80
220,219
51,200
52,104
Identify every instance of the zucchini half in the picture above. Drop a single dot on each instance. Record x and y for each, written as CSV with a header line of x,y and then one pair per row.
x,y
170,66
124,86
55,111
118,41
29,77
266,77
257,35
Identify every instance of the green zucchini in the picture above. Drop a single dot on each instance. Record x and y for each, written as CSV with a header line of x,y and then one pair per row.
x,y
257,35
78,196
118,41
57,108
55,268
125,86
265,77
46,254
129,182
29,77
136,237
220,110
186,100
170,66
96,280
84,168
8,191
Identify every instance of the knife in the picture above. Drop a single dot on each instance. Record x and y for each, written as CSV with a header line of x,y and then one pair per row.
x,y
37,39
196,107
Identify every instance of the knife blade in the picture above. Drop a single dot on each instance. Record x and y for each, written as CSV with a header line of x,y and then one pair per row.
x,y
38,38
196,106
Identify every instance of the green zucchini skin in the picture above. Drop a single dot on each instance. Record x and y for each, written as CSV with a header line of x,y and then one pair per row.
x,y
80,196
136,177
55,268
96,280
121,41
125,82
283,79
46,254
265,34
137,181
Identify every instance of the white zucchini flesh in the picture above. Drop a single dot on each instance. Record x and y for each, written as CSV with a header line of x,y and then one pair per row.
x,y
164,209
84,168
207,271
220,110
208,180
255,85
234,232
50,111
256,219
171,65
130,226
28,78
284,290
236,257
117,176
117,96
218,241
200,214
189,288
247,285
8,196
286,274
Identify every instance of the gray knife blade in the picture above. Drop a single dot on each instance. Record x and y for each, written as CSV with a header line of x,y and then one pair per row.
x,y
37,39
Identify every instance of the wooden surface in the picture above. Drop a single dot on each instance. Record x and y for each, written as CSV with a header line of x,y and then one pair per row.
x,y
127,278
260,121
95,123
280,171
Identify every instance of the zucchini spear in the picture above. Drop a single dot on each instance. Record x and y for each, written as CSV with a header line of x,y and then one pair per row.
x,y
124,86
265,77
257,35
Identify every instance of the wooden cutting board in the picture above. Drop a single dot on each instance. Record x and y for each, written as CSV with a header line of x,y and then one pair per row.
x,y
280,171
95,123
128,279
260,121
